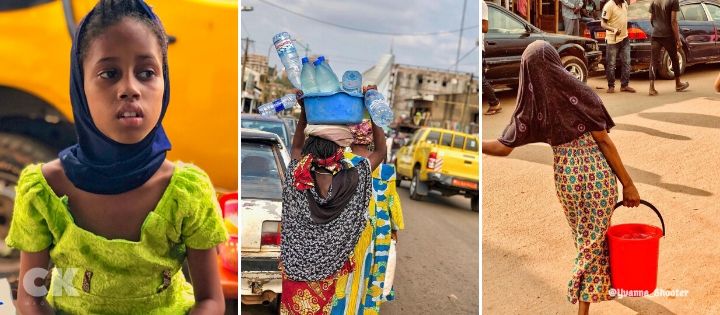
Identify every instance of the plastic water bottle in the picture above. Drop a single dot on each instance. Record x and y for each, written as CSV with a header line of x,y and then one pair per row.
x,y
378,108
307,77
326,79
352,81
288,55
280,104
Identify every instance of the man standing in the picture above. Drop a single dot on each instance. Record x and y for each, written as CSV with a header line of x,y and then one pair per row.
x,y
614,20
487,88
666,34
571,16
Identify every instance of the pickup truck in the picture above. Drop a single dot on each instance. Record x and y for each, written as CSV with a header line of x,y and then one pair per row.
x,y
442,160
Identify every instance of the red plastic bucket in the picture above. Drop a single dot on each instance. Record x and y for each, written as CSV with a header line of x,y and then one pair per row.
x,y
634,250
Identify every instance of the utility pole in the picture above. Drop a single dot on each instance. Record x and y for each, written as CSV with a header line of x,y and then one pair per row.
x,y
242,72
462,25
467,97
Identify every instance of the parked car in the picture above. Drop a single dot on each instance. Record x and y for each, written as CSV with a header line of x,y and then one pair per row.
x,y
698,20
272,124
508,35
442,160
263,163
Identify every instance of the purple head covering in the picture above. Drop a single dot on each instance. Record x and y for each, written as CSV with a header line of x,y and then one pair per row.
x,y
552,106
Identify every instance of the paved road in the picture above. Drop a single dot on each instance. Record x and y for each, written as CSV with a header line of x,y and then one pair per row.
x,y
438,259
669,144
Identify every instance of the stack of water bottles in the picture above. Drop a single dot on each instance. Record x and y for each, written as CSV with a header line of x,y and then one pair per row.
x,y
327,101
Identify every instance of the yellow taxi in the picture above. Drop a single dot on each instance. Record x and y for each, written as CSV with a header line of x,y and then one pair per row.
x,y
441,160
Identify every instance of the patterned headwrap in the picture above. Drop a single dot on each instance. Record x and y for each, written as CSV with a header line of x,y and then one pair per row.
x,y
309,163
362,133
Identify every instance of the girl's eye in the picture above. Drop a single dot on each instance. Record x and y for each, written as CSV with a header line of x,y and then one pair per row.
x,y
110,74
147,74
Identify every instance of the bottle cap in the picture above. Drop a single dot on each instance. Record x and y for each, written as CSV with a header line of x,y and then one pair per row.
x,y
321,58
317,62
305,60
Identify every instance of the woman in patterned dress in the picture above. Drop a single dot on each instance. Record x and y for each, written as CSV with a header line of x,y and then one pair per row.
x,y
326,195
363,290
555,108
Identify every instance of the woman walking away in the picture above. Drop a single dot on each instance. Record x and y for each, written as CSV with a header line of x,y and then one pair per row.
x,y
555,108
325,210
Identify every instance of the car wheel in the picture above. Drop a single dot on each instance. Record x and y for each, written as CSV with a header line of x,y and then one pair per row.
x,y
576,67
414,185
666,71
16,152
475,203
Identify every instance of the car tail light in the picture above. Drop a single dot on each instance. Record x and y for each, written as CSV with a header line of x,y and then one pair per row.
x,y
270,234
432,158
586,33
228,250
636,33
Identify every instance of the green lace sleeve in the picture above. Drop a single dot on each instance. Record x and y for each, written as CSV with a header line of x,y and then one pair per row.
x,y
202,223
29,230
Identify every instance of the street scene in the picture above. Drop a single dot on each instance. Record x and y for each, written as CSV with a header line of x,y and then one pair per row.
x,y
332,70
437,257
668,144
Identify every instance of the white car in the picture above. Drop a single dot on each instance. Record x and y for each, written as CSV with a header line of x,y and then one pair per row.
x,y
263,163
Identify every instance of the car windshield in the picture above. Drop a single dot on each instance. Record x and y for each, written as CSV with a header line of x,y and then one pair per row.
x,y
259,172
276,127
639,10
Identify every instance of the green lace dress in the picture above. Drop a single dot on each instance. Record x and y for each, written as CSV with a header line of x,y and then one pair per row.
x,y
117,276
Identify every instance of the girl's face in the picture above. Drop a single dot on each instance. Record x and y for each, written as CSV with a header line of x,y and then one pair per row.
x,y
124,81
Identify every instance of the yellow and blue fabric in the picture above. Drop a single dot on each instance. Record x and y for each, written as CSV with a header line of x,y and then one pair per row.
x,y
361,292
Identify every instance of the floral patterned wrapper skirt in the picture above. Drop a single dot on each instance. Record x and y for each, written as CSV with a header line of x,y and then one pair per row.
x,y
587,189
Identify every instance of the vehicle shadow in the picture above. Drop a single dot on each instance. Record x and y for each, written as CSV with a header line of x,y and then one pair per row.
x,y
651,132
542,154
688,119
454,202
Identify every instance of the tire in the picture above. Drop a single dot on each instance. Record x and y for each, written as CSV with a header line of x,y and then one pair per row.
x,y
576,67
275,305
665,72
16,152
414,184
475,203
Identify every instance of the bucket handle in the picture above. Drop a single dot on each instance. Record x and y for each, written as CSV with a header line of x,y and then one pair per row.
x,y
649,205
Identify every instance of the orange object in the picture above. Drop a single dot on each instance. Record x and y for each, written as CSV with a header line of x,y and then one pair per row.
x,y
634,252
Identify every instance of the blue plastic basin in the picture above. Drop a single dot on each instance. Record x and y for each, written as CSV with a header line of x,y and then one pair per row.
x,y
339,108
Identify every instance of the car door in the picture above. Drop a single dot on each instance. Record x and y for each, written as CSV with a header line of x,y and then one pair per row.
x,y
713,10
506,39
405,155
698,31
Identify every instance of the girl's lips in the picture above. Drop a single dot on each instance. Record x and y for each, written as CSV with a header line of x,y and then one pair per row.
x,y
131,121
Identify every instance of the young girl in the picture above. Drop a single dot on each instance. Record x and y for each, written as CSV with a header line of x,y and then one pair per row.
x,y
325,210
115,217
555,108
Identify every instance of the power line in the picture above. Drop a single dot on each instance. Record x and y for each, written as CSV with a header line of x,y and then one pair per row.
x,y
365,30
463,57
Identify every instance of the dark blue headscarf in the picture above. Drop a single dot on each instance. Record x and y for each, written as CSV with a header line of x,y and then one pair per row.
x,y
98,164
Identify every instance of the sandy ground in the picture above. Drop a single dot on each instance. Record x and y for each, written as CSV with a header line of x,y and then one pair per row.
x,y
670,146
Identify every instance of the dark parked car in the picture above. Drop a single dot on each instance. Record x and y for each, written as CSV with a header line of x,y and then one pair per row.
x,y
267,123
508,35
698,20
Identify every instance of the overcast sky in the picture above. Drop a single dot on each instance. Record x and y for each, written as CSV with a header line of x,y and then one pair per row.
x,y
353,50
